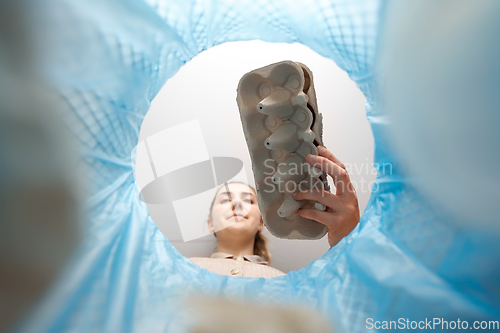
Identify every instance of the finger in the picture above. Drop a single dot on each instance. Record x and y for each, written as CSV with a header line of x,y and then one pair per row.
x,y
340,176
317,215
322,151
323,197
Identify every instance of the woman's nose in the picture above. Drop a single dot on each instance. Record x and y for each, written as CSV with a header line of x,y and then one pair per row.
x,y
236,203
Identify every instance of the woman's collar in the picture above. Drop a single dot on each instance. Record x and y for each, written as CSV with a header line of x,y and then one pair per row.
x,y
251,258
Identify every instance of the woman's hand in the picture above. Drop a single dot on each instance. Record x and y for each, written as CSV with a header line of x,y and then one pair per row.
x,y
342,213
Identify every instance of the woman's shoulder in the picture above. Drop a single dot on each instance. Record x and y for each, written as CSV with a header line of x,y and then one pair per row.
x,y
197,260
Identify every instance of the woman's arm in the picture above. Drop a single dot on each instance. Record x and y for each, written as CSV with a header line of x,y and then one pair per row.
x,y
342,213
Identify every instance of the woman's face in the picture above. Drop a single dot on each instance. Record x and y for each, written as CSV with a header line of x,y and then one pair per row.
x,y
235,211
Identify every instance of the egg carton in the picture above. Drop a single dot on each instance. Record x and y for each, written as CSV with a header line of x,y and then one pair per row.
x,y
281,122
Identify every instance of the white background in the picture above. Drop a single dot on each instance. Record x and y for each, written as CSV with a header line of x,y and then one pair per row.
x,y
205,89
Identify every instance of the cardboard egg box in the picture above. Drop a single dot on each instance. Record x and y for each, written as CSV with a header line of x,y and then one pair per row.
x,y
281,122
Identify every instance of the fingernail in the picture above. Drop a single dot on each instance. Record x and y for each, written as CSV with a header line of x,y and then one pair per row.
x,y
294,195
310,156
321,149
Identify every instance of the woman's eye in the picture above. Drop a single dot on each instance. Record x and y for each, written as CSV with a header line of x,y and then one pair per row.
x,y
249,201
224,201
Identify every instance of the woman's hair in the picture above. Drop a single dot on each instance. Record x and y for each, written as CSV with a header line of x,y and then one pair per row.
x,y
260,243
260,247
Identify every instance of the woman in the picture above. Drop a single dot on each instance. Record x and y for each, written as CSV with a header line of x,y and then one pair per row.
x,y
237,223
